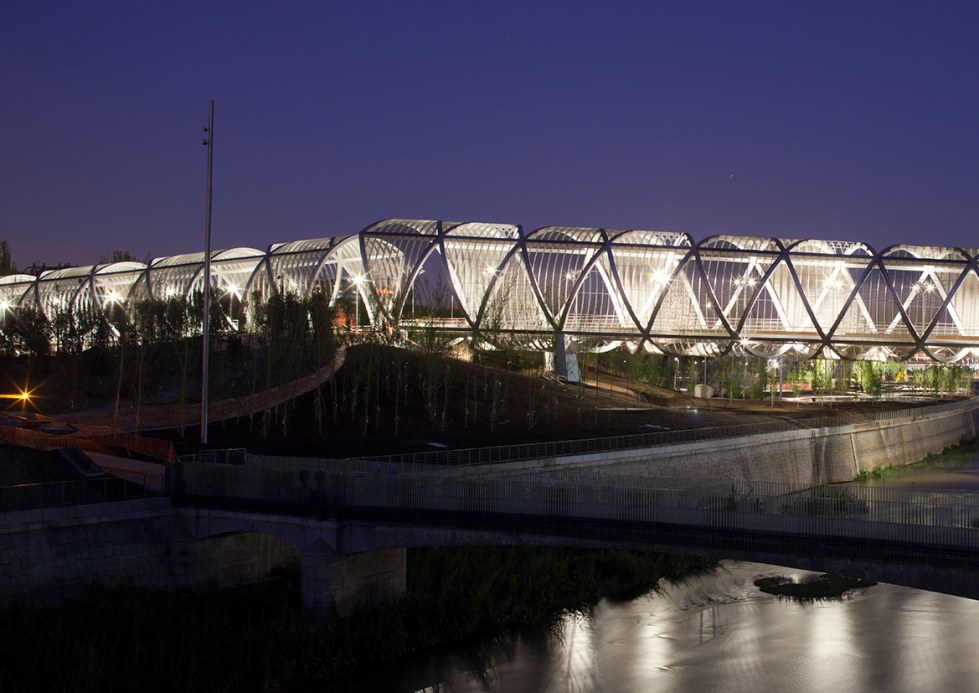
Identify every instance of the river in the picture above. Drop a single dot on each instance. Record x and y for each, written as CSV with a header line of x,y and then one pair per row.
x,y
719,632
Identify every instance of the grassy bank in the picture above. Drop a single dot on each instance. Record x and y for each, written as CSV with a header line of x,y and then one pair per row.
x,y
254,638
953,457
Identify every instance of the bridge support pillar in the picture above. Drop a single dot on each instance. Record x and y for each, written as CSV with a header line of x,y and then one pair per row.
x,y
562,361
345,581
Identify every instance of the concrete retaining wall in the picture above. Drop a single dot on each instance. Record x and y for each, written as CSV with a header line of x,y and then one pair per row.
x,y
52,554
805,457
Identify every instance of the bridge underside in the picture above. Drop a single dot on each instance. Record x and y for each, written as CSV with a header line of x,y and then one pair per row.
x,y
594,288
919,567
376,542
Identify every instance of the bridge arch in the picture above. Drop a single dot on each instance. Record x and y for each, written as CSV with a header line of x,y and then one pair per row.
x,y
655,290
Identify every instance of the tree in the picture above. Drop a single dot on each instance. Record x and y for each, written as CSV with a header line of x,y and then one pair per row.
x,y
7,265
31,335
118,256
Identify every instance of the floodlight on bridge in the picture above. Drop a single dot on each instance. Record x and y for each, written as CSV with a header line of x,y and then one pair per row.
x,y
660,292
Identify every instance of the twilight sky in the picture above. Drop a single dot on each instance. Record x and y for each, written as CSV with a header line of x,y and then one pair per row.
x,y
853,120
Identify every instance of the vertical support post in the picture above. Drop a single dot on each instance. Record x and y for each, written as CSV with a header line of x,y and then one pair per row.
x,y
206,328
676,370
780,377
560,355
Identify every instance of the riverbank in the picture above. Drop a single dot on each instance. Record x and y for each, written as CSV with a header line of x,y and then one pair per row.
x,y
955,468
255,639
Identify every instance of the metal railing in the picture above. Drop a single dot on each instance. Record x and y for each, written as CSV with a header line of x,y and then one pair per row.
x,y
921,517
91,438
66,493
291,463
530,451
217,456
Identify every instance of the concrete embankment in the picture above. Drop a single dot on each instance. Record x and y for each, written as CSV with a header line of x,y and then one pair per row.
x,y
50,554
804,457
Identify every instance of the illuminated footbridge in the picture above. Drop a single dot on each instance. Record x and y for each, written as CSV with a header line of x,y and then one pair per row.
x,y
593,288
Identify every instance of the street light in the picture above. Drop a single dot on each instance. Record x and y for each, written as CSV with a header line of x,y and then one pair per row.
x,y
206,318
23,396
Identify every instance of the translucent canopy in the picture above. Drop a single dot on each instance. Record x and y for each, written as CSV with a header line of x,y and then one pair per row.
x,y
599,288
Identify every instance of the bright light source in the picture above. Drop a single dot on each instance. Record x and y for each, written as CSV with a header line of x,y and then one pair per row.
x,y
661,277
358,279
232,290
22,395
4,305
112,297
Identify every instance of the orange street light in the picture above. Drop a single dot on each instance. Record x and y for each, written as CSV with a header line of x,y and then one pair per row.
x,y
23,396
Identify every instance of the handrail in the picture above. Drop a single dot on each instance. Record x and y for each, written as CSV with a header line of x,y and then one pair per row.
x,y
529,451
60,494
167,416
914,516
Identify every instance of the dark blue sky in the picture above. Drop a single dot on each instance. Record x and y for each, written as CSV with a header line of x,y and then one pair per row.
x,y
827,120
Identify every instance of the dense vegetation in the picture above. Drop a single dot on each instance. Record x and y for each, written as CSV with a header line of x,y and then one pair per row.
x,y
254,638
150,353
821,588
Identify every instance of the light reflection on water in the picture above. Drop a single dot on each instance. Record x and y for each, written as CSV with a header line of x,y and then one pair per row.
x,y
719,632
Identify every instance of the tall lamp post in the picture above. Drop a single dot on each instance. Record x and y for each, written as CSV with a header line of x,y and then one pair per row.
x,y
206,331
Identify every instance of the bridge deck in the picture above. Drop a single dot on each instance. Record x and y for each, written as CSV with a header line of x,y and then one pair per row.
x,y
935,520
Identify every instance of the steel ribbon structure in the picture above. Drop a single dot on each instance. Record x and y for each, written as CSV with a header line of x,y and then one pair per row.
x,y
594,288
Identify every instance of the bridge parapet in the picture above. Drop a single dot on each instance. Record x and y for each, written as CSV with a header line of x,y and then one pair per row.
x,y
503,454
905,516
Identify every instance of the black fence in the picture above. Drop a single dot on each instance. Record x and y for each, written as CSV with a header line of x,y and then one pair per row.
x,y
66,493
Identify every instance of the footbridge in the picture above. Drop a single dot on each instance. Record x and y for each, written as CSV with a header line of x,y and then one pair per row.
x,y
561,289
736,492
368,513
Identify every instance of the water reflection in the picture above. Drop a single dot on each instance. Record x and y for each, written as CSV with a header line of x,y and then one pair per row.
x,y
719,632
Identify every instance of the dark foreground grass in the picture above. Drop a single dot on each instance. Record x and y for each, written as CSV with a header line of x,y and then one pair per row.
x,y
255,639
